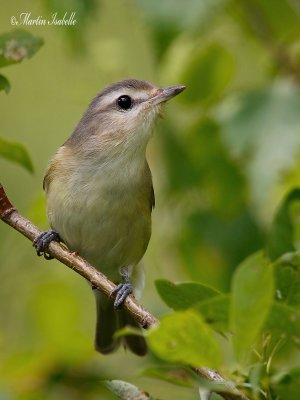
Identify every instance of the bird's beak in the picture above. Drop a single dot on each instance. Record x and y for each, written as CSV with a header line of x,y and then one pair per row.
x,y
164,94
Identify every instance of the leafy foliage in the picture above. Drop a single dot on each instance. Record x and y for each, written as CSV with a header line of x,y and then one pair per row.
x,y
207,74
183,295
252,295
176,375
283,236
183,337
17,45
226,154
262,309
14,47
15,152
4,84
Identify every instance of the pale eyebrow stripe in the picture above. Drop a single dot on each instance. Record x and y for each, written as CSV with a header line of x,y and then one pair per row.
x,y
106,101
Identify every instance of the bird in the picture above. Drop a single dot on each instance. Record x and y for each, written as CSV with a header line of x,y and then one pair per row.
x,y
99,197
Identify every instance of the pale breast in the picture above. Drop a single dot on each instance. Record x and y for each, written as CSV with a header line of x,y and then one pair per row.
x,y
102,214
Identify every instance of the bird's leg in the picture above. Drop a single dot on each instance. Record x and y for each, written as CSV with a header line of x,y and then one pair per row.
x,y
123,289
42,242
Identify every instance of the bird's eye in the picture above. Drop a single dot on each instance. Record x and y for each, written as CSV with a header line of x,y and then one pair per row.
x,y
124,102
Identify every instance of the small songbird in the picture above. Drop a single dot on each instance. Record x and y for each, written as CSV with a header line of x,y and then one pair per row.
x,y
100,197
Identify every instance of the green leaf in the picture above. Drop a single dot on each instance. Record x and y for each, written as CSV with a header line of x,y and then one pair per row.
x,y
215,311
286,225
288,283
185,338
167,20
207,74
208,239
261,130
288,386
15,152
285,322
256,374
215,396
4,84
282,18
212,305
177,376
183,295
126,391
252,295
182,171
17,45
76,34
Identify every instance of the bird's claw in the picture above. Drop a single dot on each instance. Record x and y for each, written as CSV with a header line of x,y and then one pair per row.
x,y
42,242
122,291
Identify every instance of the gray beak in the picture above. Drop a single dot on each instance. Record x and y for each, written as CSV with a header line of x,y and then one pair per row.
x,y
165,94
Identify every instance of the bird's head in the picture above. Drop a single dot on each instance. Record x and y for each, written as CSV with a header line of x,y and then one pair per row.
x,y
121,116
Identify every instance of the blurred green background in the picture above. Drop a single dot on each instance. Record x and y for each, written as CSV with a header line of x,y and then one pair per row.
x,y
224,155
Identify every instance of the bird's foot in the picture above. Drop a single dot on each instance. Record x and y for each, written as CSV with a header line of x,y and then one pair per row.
x,y
42,242
122,291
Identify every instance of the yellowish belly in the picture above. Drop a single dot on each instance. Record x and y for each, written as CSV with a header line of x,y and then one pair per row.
x,y
110,228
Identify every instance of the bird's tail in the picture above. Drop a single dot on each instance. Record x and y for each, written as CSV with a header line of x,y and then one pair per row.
x,y
108,321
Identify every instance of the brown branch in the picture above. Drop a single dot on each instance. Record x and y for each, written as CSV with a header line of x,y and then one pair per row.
x,y
10,216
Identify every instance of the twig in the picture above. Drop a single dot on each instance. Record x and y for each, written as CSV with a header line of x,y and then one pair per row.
x,y
10,216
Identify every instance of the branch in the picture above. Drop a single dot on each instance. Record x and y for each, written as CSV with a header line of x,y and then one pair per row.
x,y
10,216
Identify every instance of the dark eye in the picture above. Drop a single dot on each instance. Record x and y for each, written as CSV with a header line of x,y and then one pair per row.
x,y
124,102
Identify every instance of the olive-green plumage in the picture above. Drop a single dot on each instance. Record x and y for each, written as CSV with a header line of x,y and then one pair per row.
x,y
100,194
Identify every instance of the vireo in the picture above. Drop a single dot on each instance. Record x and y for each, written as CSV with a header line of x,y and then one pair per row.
x,y
100,196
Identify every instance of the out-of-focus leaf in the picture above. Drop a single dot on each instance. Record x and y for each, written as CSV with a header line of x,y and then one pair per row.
x,y
17,45
4,84
287,283
83,10
218,231
115,48
215,311
183,295
218,174
281,20
126,391
252,296
256,373
200,159
285,226
176,13
288,386
284,321
215,396
219,242
168,18
177,376
207,74
15,152
182,171
261,130
185,338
